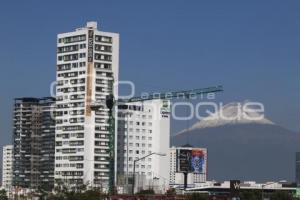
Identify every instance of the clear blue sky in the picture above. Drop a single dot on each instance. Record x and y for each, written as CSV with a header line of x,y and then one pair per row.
x,y
250,47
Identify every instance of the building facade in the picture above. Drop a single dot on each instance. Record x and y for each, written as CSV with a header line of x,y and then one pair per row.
x,y
177,177
143,128
87,66
7,167
47,143
33,143
297,167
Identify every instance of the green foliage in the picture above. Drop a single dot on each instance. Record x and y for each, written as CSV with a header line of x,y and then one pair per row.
x,y
87,195
281,196
171,191
197,196
250,195
150,191
3,195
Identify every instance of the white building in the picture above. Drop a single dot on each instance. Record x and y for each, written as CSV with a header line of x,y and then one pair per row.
x,y
224,187
144,128
87,65
7,167
177,177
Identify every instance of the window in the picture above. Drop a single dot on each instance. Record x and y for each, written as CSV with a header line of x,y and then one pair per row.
x,y
82,46
104,39
82,64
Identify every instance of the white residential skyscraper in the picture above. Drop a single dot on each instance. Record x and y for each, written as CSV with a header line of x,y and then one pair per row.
x,y
87,65
7,167
144,128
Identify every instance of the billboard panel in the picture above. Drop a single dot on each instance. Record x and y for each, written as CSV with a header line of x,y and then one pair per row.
x,y
184,160
197,161
191,160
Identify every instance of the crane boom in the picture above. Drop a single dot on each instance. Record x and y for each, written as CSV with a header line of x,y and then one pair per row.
x,y
111,102
172,95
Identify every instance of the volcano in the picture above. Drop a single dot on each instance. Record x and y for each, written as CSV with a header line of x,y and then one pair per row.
x,y
243,144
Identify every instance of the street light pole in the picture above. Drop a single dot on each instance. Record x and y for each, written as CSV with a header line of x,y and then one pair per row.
x,y
134,162
133,181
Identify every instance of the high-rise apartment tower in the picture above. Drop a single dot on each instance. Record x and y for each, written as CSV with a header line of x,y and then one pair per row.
x,y
33,143
87,67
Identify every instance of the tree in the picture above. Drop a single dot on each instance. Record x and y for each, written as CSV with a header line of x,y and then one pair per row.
x,y
3,195
197,196
171,192
281,196
87,195
250,195
149,191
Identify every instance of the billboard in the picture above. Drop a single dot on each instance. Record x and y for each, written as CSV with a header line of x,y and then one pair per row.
x,y
191,161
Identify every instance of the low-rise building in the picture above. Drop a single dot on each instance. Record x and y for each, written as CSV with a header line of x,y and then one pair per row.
x,y
7,164
223,190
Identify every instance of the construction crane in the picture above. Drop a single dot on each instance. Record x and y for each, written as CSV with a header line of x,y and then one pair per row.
x,y
111,102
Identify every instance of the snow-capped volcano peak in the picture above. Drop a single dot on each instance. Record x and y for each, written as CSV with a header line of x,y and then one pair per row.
x,y
234,113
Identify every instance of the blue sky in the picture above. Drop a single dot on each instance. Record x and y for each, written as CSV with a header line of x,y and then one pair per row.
x,y
250,47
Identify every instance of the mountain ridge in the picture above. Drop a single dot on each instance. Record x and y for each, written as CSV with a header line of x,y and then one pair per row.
x,y
232,113
248,151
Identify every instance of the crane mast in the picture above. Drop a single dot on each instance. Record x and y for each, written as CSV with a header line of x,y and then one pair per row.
x,y
111,103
